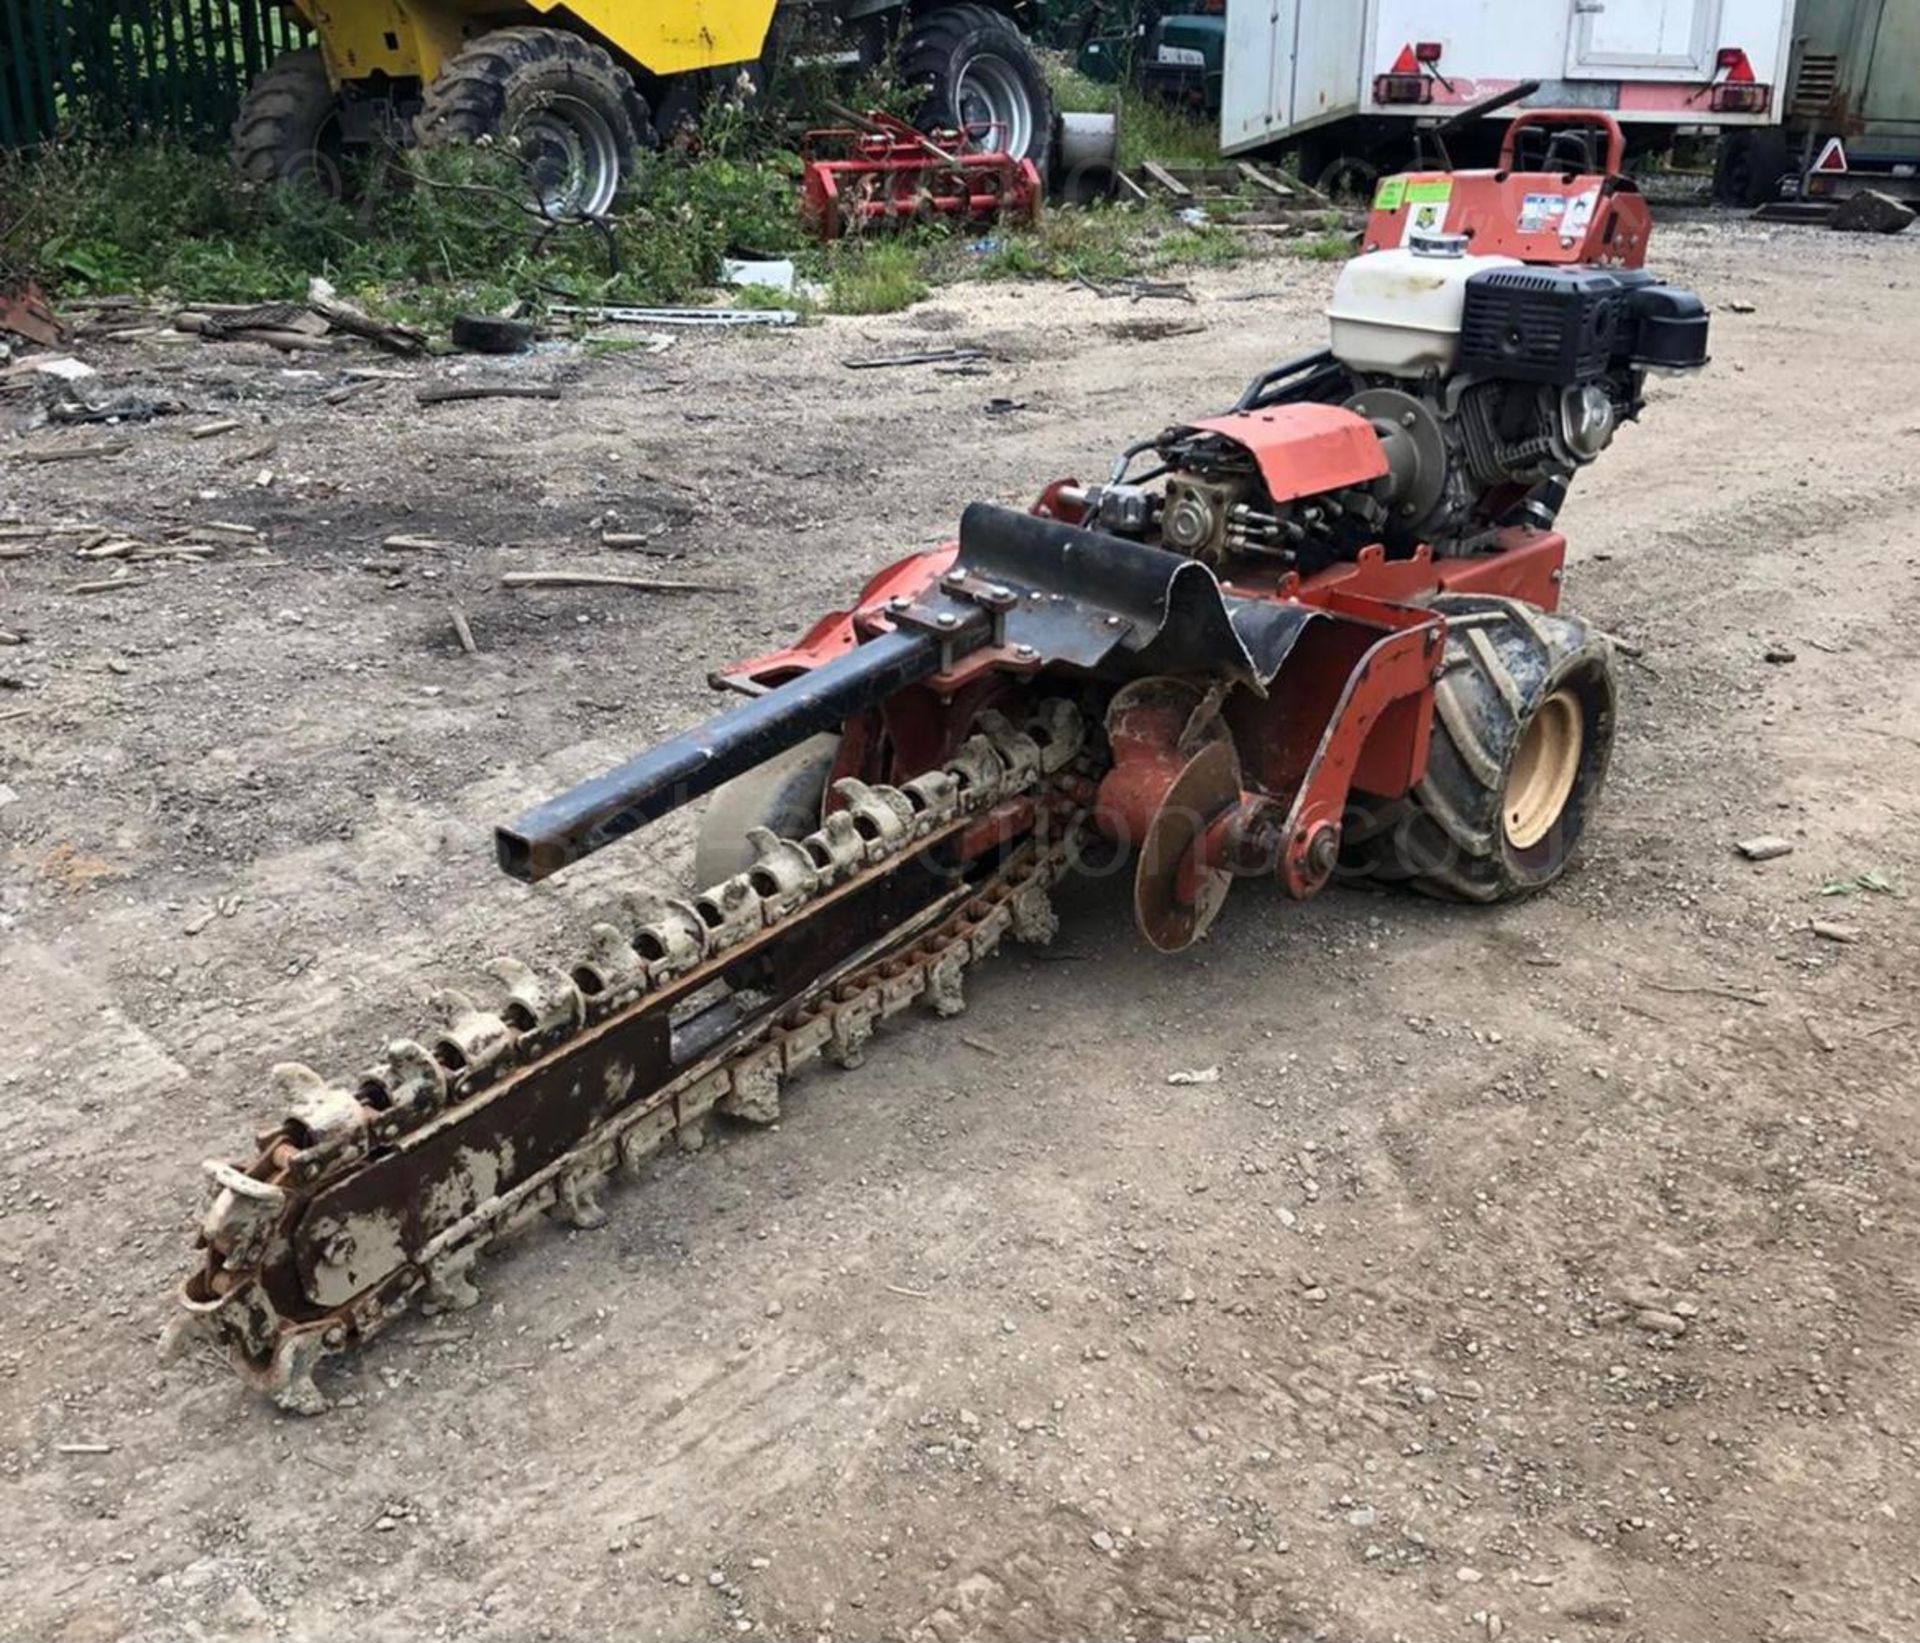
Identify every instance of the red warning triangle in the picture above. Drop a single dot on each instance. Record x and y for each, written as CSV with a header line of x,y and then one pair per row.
x,y
1833,158
1406,62
1740,71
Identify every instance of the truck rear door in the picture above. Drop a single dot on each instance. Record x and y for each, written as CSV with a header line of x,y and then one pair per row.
x,y
1290,64
1256,90
1642,39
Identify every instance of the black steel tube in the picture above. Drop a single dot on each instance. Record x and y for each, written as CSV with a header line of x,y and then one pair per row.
x,y
1293,380
594,814
1477,111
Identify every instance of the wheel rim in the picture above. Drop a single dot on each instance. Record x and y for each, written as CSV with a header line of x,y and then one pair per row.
x,y
572,157
1544,770
993,107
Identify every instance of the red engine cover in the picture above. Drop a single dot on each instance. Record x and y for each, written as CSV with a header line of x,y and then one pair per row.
x,y
1305,450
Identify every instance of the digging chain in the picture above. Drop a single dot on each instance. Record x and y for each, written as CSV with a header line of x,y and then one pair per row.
x,y
478,1051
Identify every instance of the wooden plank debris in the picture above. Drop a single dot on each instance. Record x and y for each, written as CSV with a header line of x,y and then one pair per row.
x,y
596,579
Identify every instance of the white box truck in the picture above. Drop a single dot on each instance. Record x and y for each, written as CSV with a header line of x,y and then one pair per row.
x,y
1346,82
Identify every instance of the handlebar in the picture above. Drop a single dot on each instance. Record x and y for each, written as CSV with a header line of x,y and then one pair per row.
x,y
1566,119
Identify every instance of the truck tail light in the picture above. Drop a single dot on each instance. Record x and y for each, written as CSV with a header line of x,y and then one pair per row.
x,y
1740,97
1402,88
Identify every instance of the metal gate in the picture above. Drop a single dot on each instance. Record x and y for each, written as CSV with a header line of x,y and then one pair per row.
x,y
119,67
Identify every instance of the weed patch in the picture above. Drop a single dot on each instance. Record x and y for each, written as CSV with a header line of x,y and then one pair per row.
x,y
876,276
426,235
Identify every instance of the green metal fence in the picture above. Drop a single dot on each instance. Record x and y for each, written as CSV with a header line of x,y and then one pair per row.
x,y
118,67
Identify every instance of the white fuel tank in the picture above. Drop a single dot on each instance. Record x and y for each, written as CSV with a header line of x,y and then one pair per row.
x,y
1397,312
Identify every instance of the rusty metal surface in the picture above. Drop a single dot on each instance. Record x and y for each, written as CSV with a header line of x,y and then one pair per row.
x,y
25,313
366,1198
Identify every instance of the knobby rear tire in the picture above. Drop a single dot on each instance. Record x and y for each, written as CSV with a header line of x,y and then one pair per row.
x,y
497,87
945,47
1451,837
288,128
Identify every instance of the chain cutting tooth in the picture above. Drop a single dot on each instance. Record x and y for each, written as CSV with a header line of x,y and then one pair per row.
x,y
640,1140
1034,920
240,1220
1019,753
935,795
539,1005
577,1199
612,973
836,847
669,934
782,872
979,770
732,910
450,1285
318,1114
883,815
946,982
295,1357
470,1039
403,1087
754,1095
852,1026
1061,730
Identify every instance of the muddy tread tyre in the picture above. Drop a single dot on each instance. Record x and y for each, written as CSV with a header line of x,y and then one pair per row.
x,y
1506,663
488,90
282,133
1749,166
785,794
939,49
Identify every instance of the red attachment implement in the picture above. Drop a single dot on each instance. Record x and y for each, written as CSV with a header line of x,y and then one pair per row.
x,y
884,173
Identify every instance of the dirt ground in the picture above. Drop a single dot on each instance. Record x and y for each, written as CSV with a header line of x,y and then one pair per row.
x,y
999,1336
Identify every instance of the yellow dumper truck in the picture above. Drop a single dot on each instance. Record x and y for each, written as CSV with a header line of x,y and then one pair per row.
x,y
579,87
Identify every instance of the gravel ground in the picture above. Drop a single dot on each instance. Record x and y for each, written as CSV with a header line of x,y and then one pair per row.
x,y
1545,1271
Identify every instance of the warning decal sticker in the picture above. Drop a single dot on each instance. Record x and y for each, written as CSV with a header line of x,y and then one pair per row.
x,y
1580,210
1538,211
1428,197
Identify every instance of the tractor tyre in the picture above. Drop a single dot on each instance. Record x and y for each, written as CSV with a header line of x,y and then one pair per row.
x,y
1750,165
974,72
288,128
560,103
785,795
1522,728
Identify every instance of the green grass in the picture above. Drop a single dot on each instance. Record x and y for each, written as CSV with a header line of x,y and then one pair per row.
x,y
435,234
1074,92
1150,128
875,276
1153,130
1332,246
432,234
1109,242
